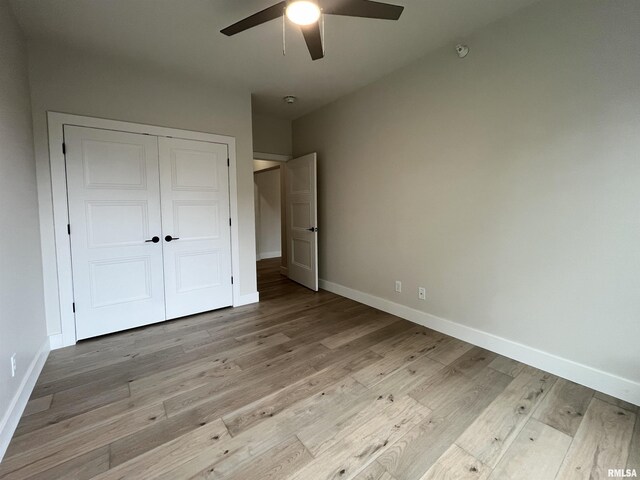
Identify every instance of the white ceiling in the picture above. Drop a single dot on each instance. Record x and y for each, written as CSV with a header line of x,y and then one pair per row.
x,y
184,35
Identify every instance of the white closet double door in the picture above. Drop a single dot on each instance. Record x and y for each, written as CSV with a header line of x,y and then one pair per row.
x,y
150,228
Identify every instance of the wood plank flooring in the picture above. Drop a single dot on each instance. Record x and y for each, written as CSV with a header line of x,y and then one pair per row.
x,y
309,386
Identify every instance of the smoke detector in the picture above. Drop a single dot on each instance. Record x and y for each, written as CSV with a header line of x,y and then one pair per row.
x,y
462,50
290,99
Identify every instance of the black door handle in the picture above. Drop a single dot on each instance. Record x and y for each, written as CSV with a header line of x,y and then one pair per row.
x,y
154,240
168,238
313,229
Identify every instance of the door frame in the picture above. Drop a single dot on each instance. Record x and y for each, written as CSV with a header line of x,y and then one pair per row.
x,y
56,122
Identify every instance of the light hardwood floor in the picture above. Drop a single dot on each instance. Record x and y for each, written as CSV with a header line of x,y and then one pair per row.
x,y
309,386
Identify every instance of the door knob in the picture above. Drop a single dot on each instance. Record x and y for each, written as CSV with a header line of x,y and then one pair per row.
x,y
154,240
168,238
313,229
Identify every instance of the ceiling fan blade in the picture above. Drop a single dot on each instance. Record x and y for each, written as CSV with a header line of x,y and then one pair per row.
x,y
256,19
313,38
363,8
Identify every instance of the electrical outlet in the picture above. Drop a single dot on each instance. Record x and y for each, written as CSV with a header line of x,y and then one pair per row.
x,y
398,286
13,365
422,293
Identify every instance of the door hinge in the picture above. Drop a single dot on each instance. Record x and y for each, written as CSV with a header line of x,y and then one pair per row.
x,y
231,279
64,148
229,221
68,229
228,162
74,307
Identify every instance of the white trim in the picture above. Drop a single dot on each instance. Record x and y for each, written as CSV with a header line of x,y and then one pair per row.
x,y
275,157
56,341
583,374
246,299
56,122
265,255
20,399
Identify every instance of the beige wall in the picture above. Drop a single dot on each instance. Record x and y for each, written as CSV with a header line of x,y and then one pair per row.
x,y
268,217
507,183
271,135
22,323
72,82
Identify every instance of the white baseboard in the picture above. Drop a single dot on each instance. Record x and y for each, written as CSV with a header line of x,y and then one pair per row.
x,y
265,255
56,341
608,383
246,299
20,399
284,271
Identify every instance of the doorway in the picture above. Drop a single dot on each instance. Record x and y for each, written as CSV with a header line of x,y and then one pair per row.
x,y
268,184
285,195
268,209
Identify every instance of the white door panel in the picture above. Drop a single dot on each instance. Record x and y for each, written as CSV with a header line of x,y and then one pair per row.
x,y
194,182
114,208
302,218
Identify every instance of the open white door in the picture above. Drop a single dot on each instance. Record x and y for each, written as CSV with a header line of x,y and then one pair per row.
x,y
114,214
194,185
302,220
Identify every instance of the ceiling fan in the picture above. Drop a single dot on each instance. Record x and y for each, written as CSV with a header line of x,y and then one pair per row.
x,y
306,14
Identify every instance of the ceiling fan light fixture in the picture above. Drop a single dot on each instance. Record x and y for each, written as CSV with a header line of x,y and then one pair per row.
x,y
303,12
